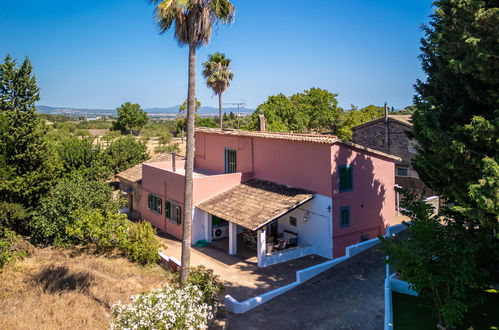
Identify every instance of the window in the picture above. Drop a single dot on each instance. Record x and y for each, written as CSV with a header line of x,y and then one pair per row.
x,y
344,216
230,161
154,203
292,221
345,178
402,171
173,212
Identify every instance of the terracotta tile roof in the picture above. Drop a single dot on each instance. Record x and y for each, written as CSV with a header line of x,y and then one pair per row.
x,y
318,138
255,203
315,138
134,174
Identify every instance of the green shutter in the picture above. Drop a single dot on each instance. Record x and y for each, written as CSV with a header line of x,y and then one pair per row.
x,y
349,177
342,178
168,209
345,177
149,202
179,215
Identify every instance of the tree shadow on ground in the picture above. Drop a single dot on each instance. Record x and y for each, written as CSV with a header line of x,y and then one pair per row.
x,y
56,279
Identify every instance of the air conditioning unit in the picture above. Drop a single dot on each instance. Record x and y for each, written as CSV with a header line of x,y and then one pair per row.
x,y
220,232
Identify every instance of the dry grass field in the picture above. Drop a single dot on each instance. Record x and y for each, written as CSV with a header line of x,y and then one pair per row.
x,y
70,289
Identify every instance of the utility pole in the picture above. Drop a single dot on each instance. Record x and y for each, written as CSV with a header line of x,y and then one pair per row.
x,y
239,105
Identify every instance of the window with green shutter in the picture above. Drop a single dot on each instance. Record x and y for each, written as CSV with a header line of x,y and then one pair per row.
x,y
167,209
345,178
344,216
154,203
173,212
230,161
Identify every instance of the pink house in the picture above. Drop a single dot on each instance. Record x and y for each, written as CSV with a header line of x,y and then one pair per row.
x,y
284,195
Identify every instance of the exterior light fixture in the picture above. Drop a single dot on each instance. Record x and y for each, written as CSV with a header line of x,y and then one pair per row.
x,y
329,208
305,216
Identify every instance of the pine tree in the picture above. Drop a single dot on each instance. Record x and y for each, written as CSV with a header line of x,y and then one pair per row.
x,y
456,120
28,165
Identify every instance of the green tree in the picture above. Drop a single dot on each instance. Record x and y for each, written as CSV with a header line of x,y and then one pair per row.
x,y
354,117
442,259
281,114
28,164
121,154
321,107
314,109
193,20
130,117
218,76
457,114
76,154
57,209
182,108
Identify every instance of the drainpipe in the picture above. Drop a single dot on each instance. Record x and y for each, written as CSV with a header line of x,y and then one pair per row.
x,y
173,161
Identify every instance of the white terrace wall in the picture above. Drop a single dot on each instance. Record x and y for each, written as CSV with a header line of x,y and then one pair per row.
x,y
316,231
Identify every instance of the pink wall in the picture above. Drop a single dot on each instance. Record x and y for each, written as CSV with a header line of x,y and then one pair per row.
x,y
299,164
158,180
372,200
210,186
166,185
210,152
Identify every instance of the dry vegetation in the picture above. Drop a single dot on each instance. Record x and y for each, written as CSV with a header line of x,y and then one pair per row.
x,y
70,289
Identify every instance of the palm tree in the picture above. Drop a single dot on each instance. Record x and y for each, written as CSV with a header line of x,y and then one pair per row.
x,y
218,76
193,21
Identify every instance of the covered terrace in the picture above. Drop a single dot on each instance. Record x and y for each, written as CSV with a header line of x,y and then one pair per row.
x,y
252,210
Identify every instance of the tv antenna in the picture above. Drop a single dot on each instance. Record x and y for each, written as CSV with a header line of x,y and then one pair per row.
x,y
238,105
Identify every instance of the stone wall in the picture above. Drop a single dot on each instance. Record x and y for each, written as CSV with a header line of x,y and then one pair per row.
x,y
399,144
135,190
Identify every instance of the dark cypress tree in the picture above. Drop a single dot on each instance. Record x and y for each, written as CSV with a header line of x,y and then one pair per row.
x,y
28,165
456,120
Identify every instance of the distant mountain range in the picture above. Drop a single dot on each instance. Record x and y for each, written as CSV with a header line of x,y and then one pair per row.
x,y
167,112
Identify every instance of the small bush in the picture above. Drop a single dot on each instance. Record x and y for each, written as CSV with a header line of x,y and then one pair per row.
x,y
142,245
136,240
167,308
13,216
10,247
57,210
208,282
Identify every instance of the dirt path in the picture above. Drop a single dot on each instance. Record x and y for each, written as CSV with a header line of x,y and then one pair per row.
x,y
348,296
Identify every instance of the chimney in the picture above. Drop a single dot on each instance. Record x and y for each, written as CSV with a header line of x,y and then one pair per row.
x,y
173,161
386,112
262,123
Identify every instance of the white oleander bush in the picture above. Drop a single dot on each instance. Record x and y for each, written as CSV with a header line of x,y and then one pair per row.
x,y
166,308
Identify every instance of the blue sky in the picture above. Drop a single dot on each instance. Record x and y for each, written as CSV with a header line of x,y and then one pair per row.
x,y
99,54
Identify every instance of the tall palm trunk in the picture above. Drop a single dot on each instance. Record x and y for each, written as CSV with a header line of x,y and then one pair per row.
x,y
189,168
220,109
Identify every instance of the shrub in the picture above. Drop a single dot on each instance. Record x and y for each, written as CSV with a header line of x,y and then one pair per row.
x,y
166,308
142,245
57,210
10,249
136,240
208,282
123,153
13,216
